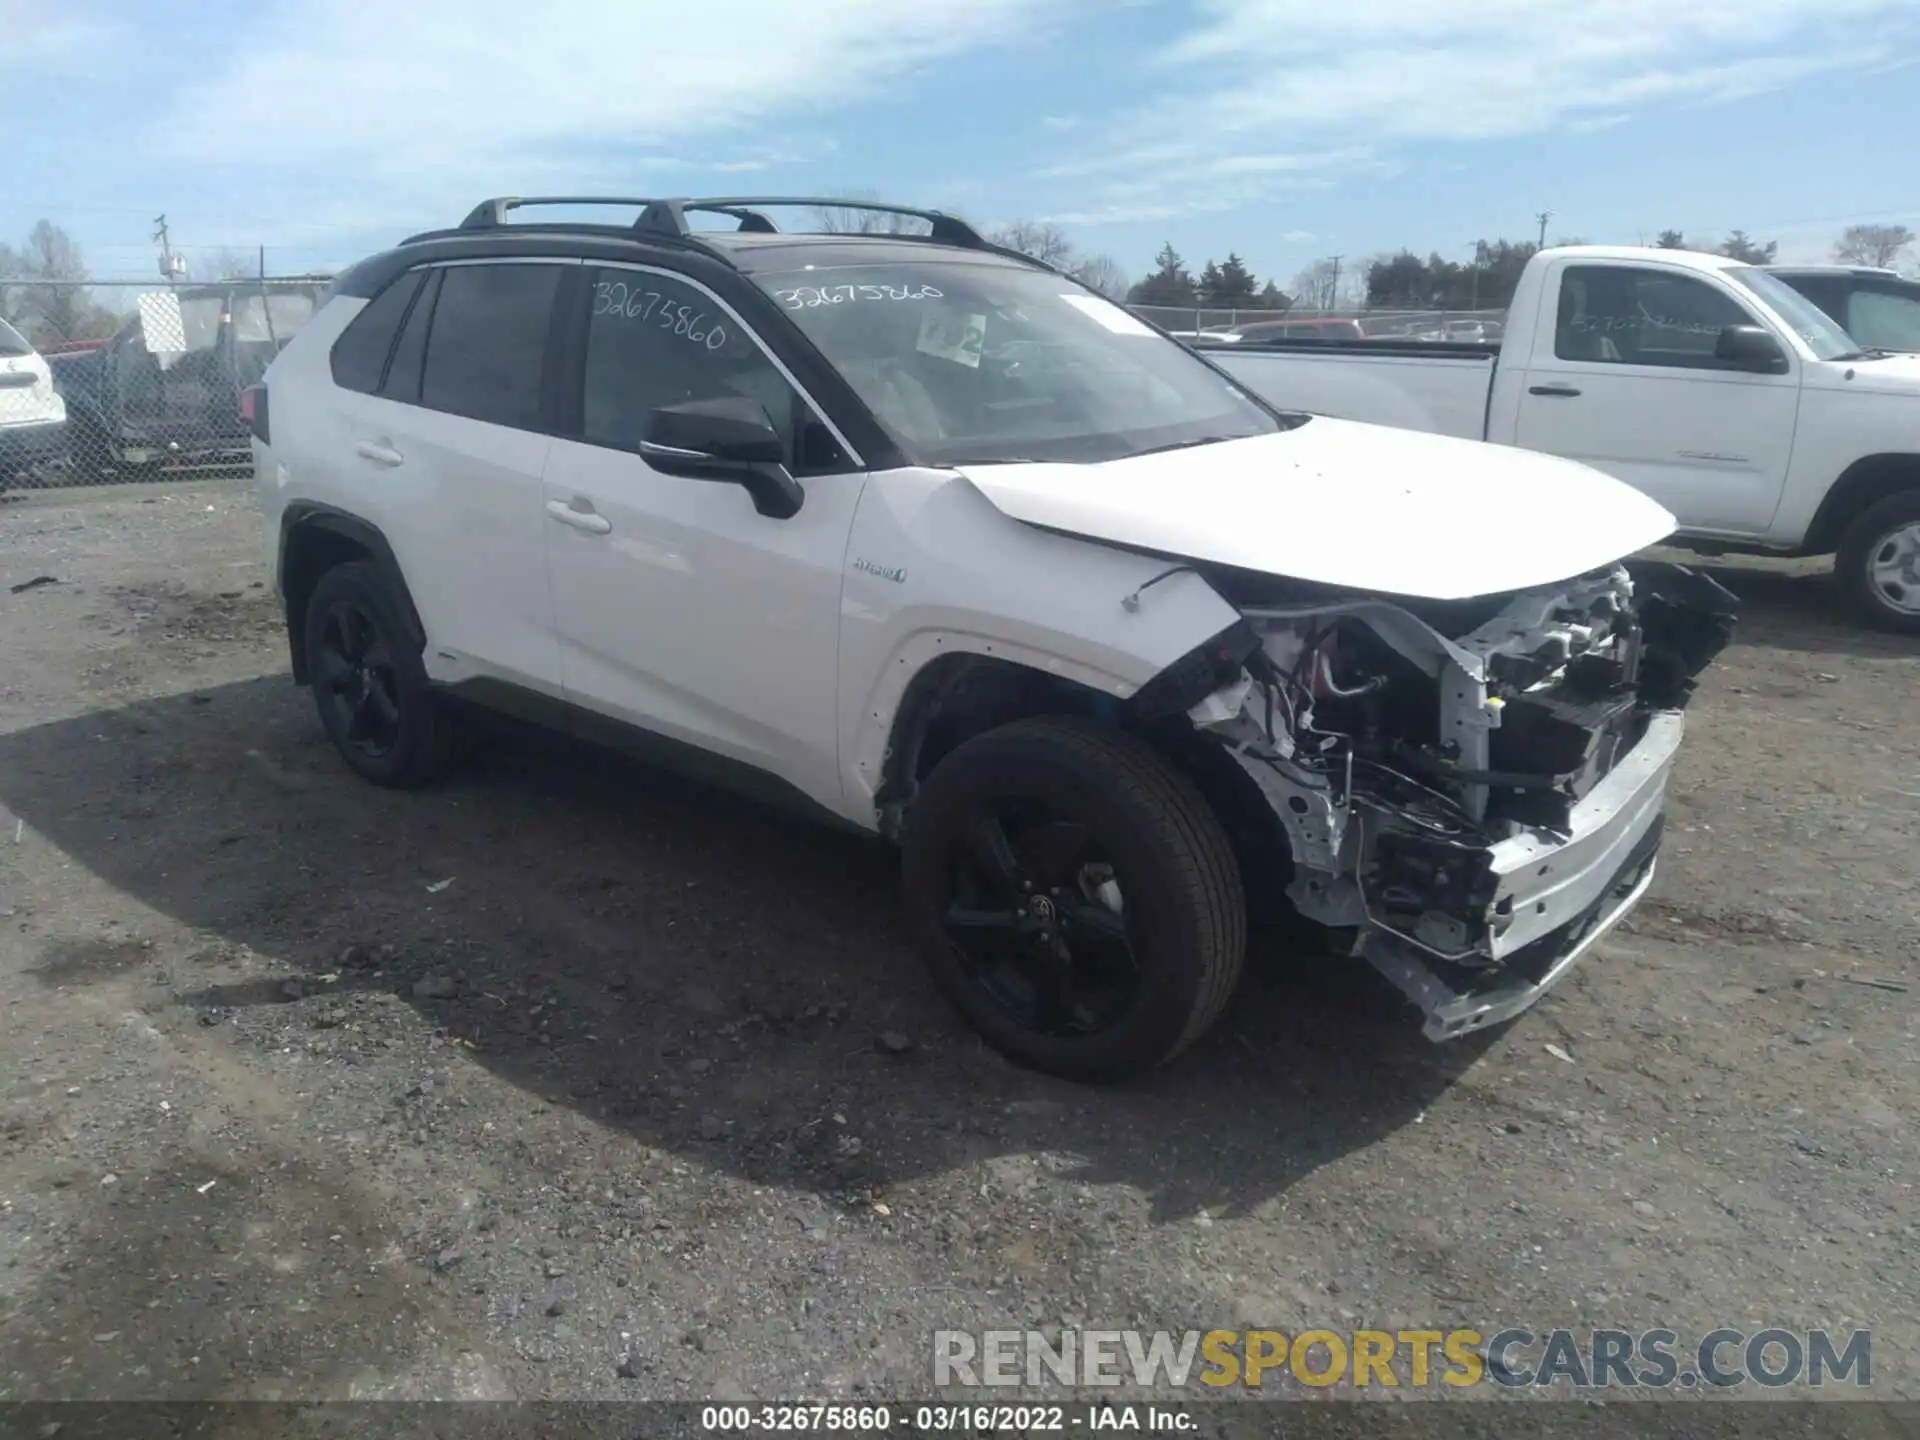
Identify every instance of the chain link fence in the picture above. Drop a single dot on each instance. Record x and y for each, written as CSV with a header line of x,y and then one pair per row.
x,y
1305,324
109,382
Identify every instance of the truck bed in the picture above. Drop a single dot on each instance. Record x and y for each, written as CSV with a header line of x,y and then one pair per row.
x,y
1439,387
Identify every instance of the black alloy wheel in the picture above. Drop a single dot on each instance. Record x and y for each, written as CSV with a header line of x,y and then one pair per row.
x,y
1038,912
354,680
370,684
1074,896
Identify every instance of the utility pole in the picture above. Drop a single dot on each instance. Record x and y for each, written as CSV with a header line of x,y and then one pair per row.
x,y
172,267
1543,217
1333,288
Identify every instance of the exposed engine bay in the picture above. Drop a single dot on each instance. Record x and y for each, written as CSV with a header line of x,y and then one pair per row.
x,y
1472,791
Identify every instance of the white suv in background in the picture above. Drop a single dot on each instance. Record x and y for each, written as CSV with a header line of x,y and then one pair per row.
x,y
33,419
946,547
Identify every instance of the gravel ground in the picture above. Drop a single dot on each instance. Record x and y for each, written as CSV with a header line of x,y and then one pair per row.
x,y
573,1080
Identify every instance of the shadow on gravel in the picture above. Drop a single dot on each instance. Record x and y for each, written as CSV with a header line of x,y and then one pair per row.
x,y
712,977
1803,612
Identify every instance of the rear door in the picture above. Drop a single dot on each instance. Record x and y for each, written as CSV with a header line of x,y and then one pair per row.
x,y
443,424
1623,377
680,608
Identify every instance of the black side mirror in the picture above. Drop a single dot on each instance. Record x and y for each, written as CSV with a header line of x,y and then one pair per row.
x,y
730,439
1749,347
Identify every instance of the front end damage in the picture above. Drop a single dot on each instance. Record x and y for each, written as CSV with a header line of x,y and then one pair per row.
x,y
1472,792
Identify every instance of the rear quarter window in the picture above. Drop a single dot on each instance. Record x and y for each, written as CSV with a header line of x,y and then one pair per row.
x,y
359,356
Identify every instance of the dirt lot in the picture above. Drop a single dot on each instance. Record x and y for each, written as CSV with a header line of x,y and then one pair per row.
x,y
568,1079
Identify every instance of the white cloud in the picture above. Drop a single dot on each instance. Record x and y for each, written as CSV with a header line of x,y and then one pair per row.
x,y
443,100
1349,85
1298,237
36,35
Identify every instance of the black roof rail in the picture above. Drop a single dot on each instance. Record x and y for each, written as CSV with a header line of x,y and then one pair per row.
x,y
670,216
666,219
492,214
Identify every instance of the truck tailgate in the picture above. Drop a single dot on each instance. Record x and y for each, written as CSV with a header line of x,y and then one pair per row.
x,y
1443,394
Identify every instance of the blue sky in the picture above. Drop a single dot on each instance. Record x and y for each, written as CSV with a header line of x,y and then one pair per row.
x,y
1283,129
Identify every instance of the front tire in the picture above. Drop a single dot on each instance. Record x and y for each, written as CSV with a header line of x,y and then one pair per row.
x,y
1075,898
370,684
1878,564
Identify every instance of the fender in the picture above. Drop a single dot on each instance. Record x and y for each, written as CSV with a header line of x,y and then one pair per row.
x,y
299,566
1072,611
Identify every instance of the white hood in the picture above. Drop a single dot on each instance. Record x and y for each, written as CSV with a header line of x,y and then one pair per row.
x,y
1361,506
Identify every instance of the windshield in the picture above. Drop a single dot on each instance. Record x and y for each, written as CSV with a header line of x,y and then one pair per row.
x,y
12,342
978,363
1807,320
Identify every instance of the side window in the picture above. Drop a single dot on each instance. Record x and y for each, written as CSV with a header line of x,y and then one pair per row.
x,y
1829,295
359,357
1625,316
410,355
486,348
1885,319
654,341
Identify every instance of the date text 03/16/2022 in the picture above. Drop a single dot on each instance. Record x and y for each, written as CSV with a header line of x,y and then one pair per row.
x,y
963,1419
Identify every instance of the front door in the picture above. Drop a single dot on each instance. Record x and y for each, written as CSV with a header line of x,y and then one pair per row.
x,y
1624,379
679,607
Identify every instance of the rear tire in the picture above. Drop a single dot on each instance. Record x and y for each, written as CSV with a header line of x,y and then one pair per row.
x,y
1878,564
370,684
89,451
1075,898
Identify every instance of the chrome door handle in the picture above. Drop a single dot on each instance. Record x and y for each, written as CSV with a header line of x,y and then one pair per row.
x,y
378,451
579,519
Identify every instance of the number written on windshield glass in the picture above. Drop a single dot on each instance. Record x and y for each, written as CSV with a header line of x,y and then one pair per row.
x,y
806,297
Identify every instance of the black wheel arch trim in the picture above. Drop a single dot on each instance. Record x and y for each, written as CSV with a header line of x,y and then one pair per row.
x,y
1864,484
309,516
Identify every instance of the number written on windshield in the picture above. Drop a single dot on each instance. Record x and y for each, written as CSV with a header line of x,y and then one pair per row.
x,y
806,297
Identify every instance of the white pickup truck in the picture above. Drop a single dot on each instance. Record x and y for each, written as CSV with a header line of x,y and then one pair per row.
x,y
1710,385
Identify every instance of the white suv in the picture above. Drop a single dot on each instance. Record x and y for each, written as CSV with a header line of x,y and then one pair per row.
x,y
957,552
33,418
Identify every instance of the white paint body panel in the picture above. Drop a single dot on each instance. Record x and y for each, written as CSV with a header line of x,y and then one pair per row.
x,y
1361,506
1734,456
32,401
462,509
976,582
698,618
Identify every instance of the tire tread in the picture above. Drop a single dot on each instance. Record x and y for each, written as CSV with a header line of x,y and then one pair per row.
x,y
1207,869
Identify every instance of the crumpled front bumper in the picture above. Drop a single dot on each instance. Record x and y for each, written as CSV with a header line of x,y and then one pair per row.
x,y
1556,898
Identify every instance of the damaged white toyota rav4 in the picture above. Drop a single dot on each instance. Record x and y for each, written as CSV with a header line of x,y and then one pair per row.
x,y
965,556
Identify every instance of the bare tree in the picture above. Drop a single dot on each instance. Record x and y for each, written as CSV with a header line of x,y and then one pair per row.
x,y
852,220
1318,286
1102,273
62,309
1877,245
1051,245
225,265
1044,242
